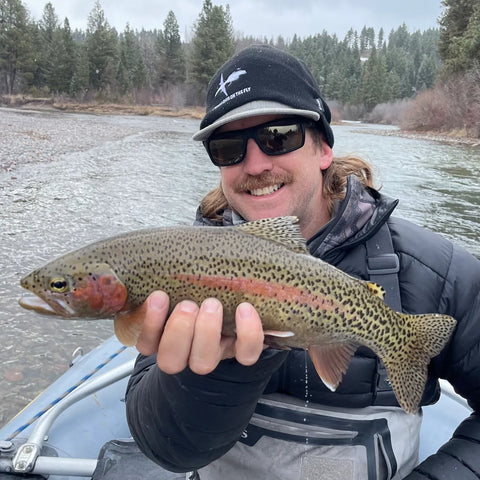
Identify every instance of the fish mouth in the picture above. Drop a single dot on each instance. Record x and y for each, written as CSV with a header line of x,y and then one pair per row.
x,y
31,302
260,192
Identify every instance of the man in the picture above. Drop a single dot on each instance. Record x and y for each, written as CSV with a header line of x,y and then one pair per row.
x,y
228,407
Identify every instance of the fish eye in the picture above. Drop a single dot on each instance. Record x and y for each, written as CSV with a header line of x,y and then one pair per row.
x,y
59,284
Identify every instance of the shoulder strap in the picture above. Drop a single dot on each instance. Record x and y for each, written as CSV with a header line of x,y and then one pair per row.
x,y
383,266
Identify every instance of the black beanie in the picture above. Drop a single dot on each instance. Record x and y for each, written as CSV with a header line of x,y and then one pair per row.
x,y
263,80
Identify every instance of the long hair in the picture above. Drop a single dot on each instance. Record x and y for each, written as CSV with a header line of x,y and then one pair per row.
x,y
334,185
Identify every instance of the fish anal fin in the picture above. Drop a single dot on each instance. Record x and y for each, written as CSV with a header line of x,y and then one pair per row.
x,y
331,361
128,325
376,289
282,230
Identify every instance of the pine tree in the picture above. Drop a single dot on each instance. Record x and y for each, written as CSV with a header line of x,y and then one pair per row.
x,y
81,76
374,78
57,52
131,71
212,43
367,40
472,36
102,51
147,41
49,40
459,42
16,49
453,25
170,51
427,72
66,58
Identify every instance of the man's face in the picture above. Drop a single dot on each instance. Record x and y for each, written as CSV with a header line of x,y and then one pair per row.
x,y
263,186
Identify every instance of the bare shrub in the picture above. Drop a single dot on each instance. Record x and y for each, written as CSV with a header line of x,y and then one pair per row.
x,y
458,91
473,115
349,111
429,111
142,96
389,113
453,105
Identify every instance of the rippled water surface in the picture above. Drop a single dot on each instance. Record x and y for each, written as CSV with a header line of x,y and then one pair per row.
x,y
66,180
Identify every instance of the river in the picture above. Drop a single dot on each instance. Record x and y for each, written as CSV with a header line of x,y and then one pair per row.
x,y
69,179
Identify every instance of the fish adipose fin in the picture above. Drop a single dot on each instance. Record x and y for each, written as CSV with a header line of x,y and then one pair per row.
x,y
376,289
331,361
282,230
407,365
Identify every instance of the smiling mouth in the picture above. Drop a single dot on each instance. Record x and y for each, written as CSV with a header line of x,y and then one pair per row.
x,y
259,192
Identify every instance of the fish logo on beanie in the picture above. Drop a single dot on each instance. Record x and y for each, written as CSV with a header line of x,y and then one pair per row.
x,y
222,87
263,80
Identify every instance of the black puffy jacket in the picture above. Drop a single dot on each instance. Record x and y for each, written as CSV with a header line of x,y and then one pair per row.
x,y
186,421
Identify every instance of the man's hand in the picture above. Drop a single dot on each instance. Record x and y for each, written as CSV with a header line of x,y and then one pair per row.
x,y
192,336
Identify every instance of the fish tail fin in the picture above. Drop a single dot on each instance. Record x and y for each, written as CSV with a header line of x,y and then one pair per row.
x,y
424,337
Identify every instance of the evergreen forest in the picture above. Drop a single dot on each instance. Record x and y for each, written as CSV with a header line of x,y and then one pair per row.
x,y
394,76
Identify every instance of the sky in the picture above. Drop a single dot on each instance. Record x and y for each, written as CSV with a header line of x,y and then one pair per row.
x,y
258,18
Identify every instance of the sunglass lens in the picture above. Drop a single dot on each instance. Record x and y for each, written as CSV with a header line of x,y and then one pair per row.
x,y
226,151
279,139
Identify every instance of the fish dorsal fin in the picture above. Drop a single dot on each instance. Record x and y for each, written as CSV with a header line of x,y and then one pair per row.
x,y
331,361
376,290
282,230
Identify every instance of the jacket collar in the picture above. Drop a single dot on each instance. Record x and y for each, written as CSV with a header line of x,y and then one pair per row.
x,y
354,219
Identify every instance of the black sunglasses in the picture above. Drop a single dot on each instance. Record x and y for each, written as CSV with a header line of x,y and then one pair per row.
x,y
273,138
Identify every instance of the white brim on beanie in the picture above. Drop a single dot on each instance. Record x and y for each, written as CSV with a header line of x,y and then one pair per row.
x,y
254,109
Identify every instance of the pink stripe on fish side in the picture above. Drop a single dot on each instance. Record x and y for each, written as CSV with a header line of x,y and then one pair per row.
x,y
261,288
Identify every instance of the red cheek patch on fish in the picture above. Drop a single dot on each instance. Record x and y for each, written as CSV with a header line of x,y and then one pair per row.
x,y
102,294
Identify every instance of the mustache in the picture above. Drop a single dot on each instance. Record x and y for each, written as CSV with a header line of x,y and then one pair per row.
x,y
264,179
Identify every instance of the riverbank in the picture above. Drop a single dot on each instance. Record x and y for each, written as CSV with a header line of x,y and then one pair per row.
x,y
48,104
452,138
143,110
96,108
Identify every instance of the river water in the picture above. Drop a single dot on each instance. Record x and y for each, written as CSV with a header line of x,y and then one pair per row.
x,y
69,179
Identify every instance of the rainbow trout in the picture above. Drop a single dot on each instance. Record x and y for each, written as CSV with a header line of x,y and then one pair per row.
x,y
302,301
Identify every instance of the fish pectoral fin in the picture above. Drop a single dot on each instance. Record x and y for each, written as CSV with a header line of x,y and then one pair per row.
x,y
128,325
376,289
331,361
